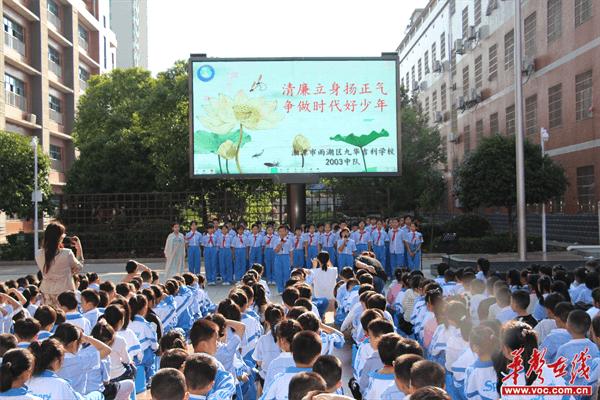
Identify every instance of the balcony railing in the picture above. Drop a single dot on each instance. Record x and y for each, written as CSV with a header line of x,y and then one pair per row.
x,y
14,43
56,68
83,85
54,20
84,44
15,100
56,116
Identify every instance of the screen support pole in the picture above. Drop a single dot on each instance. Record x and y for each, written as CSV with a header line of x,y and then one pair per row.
x,y
296,204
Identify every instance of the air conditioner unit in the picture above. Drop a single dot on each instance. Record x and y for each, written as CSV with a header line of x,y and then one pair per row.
x,y
32,118
415,86
483,32
459,47
436,66
423,85
474,96
529,65
460,103
471,33
453,86
453,137
438,117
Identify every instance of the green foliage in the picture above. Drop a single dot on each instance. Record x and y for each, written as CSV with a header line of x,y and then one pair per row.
x,y
17,247
16,175
468,225
490,244
362,140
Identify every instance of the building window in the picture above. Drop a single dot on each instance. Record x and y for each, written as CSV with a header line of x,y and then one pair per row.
x,y
53,8
426,110
14,35
493,62
14,92
479,72
509,50
555,106
419,70
492,5
84,37
467,141
452,7
426,62
554,22
510,120
433,54
479,130
494,124
531,115
434,104
530,35
407,81
53,55
586,198
453,63
443,96
583,11
465,22
477,11
442,46
55,152
583,96
465,76
105,51
54,103
412,77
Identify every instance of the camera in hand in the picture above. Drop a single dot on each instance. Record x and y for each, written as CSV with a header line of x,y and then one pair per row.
x,y
69,242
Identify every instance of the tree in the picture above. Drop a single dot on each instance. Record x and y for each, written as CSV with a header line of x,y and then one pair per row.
x,y
16,175
487,177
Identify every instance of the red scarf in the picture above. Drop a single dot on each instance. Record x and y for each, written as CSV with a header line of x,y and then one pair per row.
x,y
241,240
361,235
394,235
269,239
311,238
210,241
327,239
296,243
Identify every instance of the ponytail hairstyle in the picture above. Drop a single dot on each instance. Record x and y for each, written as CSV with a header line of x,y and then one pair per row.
x,y
543,286
174,339
137,304
126,310
518,335
458,315
52,239
229,310
103,332
273,315
260,295
323,258
286,330
114,316
46,353
67,333
483,339
220,321
14,363
171,287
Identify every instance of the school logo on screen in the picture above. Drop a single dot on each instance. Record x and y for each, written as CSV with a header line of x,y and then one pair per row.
x,y
205,73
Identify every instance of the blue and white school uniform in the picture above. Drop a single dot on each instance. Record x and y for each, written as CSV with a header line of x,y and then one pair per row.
x,y
97,376
299,261
575,289
346,256
193,239
364,351
414,240
330,341
278,389
584,296
282,264
278,366
265,352
48,385
92,316
592,311
480,381
195,307
539,311
392,393
77,319
226,351
252,334
455,376
22,393
43,335
166,310
312,247
211,260
134,348
361,239
146,334
239,245
256,248
75,366
94,286
378,383
571,349
378,239
556,338
327,241
269,257
224,386
506,314
396,250
225,259
184,300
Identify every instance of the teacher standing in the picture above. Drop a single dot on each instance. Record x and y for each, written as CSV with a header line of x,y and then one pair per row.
x,y
175,252
57,263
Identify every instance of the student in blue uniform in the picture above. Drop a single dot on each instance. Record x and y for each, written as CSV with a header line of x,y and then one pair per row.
x,y
210,246
298,248
192,242
311,245
361,238
269,254
225,256
327,242
68,302
145,333
480,377
283,249
239,249
413,241
559,335
15,371
396,246
346,249
405,228
256,245
46,316
378,238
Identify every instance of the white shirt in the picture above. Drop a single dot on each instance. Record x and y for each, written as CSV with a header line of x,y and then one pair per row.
x,y
323,282
266,351
49,386
279,388
278,366
118,356
78,319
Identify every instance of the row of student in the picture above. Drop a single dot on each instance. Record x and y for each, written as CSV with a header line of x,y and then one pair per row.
x,y
228,251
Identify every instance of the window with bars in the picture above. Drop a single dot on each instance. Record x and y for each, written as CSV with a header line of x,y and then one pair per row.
x,y
412,76
555,106
467,139
53,55
554,21
531,115
492,5
442,46
54,103
434,102
426,109
583,96
583,11
426,62
479,72
465,22
452,7
479,130
586,189
453,63
419,69
510,120
55,152
407,81
433,53
493,62
477,12
465,82
14,29
529,33
494,124
443,97
509,50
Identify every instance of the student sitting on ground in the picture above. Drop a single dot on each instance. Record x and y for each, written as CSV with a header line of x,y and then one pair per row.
x,y
169,384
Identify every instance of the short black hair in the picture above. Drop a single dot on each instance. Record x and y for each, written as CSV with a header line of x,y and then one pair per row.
x,y
402,366
330,369
377,301
200,371
131,266
45,315
387,348
203,330
552,300
123,289
68,300
7,342
562,310
168,384
289,296
427,373
503,296
521,299
409,346
579,322
26,328
287,329
369,315
91,296
173,358
303,383
306,347
309,322
596,295
430,393
379,327
442,268
107,286
146,276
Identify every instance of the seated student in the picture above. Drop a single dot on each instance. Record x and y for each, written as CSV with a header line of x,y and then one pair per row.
x,y
203,336
363,348
376,330
480,378
592,311
381,379
173,358
266,348
430,393
46,316
145,333
349,299
7,342
477,296
260,269
306,348
592,281
401,387
546,325
289,297
578,283
200,372
303,383
183,298
68,303
26,330
450,287
330,337
146,279
305,291
330,369
505,312
45,382
559,335
426,373
519,301
90,300
133,269
253,329
284,333
169,384
15,371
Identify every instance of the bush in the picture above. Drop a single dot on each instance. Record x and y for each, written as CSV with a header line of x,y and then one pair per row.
x,y
490,244
18,247
468,225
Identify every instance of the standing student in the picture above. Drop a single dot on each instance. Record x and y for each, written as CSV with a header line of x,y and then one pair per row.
x,y
327,242
311,245
174,251
211,261
396,247
413,241
145,333
378,238
225,260
346,249
299,249
239,252
256,246
361,238
192,244
269,254
283,249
